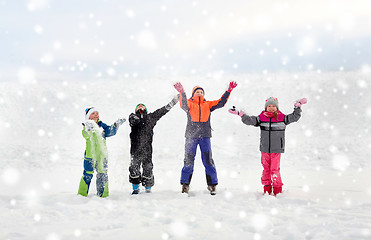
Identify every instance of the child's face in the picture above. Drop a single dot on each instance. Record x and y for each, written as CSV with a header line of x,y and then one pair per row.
x,y
198,93
141,108
271,108
94,116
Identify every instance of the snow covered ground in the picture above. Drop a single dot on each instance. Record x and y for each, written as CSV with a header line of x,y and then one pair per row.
x,y
326,168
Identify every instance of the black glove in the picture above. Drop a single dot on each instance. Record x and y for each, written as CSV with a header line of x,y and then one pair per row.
x,y
133,119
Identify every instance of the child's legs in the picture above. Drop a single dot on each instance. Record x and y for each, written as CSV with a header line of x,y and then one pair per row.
x,y
102,177
134,169
266,162
275,169
207,160
148,179
102,184
189,158
87,176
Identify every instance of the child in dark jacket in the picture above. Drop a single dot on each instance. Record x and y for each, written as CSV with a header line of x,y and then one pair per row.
x,y
141,136
272,123
198,132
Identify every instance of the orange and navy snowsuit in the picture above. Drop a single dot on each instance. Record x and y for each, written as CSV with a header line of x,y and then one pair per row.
x,y
198,132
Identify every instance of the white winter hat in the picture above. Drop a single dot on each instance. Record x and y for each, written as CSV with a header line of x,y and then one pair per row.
x,y
271,101
89,111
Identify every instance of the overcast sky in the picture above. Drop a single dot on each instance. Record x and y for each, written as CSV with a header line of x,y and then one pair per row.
x,y
50,39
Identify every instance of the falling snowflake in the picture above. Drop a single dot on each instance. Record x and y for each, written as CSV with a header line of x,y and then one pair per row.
x,y
11,176
26,75
179,229
52,236
340,162
259,221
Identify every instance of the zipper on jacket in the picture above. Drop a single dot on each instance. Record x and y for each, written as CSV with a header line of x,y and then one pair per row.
x,y
269,138
199,108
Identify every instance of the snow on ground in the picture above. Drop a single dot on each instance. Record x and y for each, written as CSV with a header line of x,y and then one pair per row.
x,y
325,169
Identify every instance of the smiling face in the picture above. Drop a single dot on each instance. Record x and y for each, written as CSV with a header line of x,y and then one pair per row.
x,y
271,108
198,93
94,116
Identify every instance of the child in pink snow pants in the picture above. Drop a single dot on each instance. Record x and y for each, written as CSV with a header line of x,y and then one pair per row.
x,y
272,123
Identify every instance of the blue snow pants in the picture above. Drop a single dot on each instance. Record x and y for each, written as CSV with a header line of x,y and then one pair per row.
x,y
102,177
206,156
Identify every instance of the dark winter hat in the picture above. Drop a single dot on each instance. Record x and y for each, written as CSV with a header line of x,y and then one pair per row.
x,y
89,111
141,104
196,88
271,101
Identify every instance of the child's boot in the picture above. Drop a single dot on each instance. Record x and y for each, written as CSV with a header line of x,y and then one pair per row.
x,y
268,189
135,189
148,189
185,188
212,189
277,190
84,184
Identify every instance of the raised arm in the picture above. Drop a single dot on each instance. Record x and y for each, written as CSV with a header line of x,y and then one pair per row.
x,y
182,96
109,131
296,114
223,100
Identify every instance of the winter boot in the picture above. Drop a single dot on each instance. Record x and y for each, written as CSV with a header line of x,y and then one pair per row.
x,y
148,189
277,190
212,189
185,188
268,189
135,189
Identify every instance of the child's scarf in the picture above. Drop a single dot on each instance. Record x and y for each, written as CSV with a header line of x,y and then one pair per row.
x,y
271,114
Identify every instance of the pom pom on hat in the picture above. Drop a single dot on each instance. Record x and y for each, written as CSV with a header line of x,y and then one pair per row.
x,y
271,101
89,111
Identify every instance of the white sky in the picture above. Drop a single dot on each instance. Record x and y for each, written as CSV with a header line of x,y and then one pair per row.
x,y
129,38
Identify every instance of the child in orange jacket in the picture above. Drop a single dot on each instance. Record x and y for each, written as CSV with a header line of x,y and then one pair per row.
x,y
198,132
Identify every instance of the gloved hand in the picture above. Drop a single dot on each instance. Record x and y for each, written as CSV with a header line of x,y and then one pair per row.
x,y
234,111
178,86
119,122
300,102
88,125
172,102
232,85
133,119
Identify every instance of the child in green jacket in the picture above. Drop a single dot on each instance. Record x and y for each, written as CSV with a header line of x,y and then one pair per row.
x,y
95,157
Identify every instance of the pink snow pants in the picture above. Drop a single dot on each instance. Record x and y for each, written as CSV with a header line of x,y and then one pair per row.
x,y
271,174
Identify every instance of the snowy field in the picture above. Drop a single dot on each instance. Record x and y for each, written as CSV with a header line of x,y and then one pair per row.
x,y
326,168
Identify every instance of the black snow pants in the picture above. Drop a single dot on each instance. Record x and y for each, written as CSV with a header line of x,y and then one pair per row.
x,y
145,177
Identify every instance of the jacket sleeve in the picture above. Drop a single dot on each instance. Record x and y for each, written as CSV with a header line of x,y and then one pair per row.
x,y
156,115
109,131
183,102
250,120
86,134
219,103
133,120
294,116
